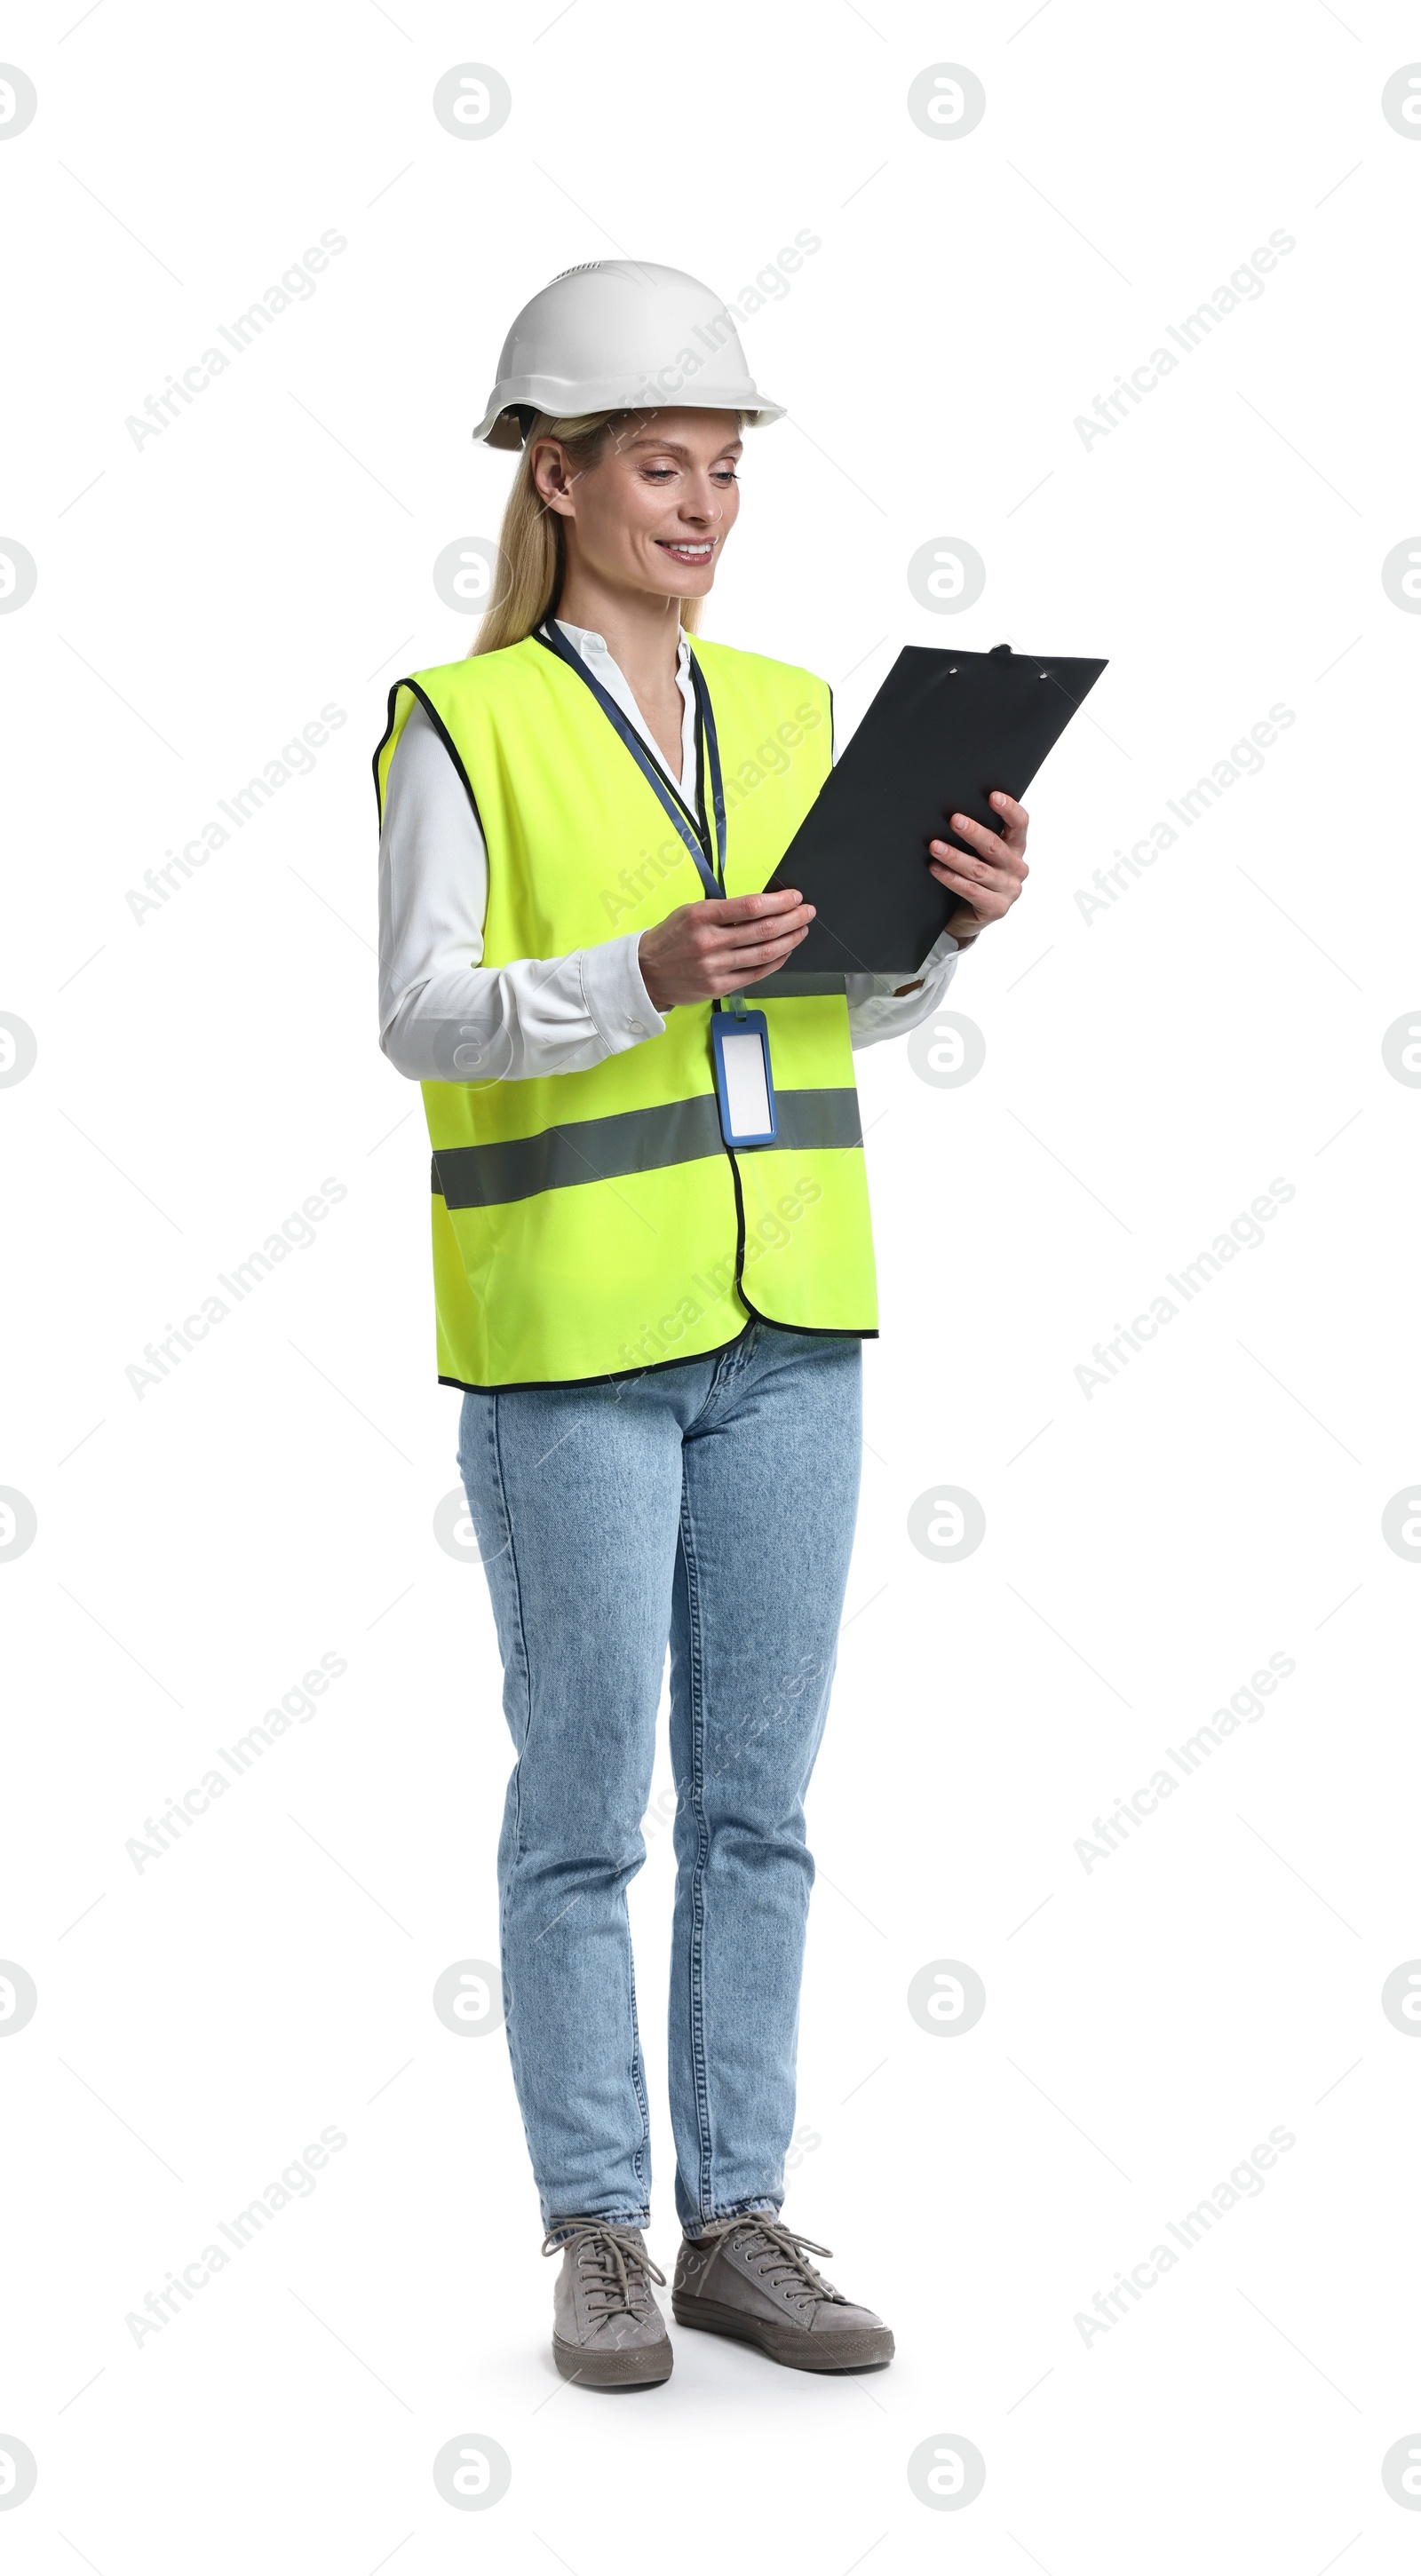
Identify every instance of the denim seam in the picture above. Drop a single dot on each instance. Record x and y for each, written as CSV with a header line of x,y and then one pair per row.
x,y
728,1363
642,2158
696,1936
520,1629
512,2019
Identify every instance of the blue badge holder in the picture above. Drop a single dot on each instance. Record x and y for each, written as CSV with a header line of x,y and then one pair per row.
x,y
744,1084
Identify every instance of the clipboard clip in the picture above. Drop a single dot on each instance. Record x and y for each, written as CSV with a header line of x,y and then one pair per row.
x,y
1002,653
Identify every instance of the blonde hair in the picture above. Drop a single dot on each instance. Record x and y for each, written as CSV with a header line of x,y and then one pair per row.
x,y
532,550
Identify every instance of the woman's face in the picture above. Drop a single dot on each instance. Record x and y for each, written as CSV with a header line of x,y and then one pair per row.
x,y
655,510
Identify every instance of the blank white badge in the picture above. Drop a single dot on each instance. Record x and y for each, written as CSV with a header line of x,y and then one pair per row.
x,y
747,1095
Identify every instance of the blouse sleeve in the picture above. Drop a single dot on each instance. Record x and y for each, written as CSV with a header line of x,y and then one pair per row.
x,y
878,1008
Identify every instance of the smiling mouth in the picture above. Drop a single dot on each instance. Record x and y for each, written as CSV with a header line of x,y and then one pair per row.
x,y
686,550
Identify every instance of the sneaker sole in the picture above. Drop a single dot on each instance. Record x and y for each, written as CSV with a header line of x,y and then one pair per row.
x,y
791,2345
634,2366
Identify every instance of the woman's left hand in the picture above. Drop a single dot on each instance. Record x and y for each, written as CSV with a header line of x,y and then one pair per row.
x,y
987,885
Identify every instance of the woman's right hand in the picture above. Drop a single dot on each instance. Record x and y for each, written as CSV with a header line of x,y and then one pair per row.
x,y
702,950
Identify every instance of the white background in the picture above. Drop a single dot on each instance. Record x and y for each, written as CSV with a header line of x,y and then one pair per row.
x,y
1148,1072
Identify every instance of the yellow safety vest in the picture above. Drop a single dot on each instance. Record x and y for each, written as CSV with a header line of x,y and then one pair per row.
x,y
591,1225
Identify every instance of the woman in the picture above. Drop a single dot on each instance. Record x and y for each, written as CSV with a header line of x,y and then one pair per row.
x,y
657,1332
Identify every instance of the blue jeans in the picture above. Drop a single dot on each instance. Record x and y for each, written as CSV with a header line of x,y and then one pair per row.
x,y
710,1507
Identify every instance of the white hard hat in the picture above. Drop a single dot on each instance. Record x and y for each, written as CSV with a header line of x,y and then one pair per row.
x,y
620,335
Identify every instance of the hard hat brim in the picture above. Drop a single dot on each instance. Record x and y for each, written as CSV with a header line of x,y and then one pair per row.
x,y
502,426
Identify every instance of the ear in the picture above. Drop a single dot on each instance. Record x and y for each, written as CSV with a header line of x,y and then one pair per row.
x,y
552,476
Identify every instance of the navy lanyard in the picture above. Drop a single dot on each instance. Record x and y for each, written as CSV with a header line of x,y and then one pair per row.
x,y
693,828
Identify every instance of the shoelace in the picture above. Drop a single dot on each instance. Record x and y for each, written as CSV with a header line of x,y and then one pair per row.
x,y
616,2270
781,2258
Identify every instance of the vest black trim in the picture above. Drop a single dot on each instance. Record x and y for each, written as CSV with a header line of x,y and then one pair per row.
x,y
634,1140
440,727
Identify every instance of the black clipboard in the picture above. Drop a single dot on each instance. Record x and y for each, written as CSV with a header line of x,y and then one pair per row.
x,y
945,729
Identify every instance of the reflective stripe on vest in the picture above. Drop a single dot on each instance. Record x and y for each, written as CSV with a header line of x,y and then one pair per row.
x,y
632,1140
594,1224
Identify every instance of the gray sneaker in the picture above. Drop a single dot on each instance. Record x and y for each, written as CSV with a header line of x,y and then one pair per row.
x,y
751,2278
607,2328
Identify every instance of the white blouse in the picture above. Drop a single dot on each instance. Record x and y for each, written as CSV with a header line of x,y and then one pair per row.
x,y
445,1016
